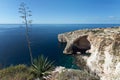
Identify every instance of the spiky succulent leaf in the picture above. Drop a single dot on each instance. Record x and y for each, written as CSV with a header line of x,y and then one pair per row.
x,y
41,66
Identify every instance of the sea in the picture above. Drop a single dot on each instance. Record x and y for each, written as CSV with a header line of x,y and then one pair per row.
x,y
44,40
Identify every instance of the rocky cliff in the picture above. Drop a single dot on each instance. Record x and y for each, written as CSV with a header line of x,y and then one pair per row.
x,y
61,73
98,49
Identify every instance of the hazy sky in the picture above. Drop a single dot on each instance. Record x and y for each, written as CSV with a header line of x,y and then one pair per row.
x,y
63,11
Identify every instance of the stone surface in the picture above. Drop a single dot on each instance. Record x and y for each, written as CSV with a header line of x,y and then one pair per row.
x,y
103,46
61,73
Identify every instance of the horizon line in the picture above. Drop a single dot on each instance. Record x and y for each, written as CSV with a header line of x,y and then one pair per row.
x,y
56,23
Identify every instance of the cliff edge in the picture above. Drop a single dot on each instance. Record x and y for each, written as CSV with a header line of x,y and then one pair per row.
x,y
99,49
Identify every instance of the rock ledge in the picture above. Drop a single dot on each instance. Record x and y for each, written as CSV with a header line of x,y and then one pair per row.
x,y
103,45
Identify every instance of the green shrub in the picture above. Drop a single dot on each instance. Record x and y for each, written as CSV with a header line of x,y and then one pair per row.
x,y
41,67
19,72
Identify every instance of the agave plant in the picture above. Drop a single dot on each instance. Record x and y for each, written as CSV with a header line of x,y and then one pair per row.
x,y
41,67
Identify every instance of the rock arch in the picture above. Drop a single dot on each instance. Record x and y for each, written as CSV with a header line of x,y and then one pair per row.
x,y
81,45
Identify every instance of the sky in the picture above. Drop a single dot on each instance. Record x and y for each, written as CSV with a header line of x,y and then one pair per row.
x,y
63,11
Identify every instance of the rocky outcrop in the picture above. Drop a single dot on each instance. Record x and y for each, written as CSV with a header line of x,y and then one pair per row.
x,y
103,46
61,73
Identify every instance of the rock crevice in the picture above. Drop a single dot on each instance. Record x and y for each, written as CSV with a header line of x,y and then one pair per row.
x,y
104,46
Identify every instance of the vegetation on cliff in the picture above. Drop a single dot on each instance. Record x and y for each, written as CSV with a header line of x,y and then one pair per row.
x,y
25,14
41,68
19,72
22,72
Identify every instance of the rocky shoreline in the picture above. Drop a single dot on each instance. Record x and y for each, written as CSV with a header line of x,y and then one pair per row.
x,y
98,50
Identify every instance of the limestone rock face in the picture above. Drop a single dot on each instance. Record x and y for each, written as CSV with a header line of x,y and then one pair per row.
x,y
103,46
61,73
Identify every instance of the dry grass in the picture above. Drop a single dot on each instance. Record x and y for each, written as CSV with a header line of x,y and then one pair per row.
x,y
19,72
71,74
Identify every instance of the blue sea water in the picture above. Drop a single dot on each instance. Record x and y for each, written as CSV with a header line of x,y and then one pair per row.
x,y
13,45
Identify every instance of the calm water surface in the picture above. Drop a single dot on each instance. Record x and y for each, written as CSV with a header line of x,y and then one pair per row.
x,y
13,45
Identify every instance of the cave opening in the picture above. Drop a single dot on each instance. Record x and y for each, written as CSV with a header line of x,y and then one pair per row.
x,y
81,45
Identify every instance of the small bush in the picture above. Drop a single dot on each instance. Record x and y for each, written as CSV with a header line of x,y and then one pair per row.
x,y
19,72
41,67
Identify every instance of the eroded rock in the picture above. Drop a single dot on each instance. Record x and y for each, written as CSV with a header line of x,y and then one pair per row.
x,y
61,73
104,46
